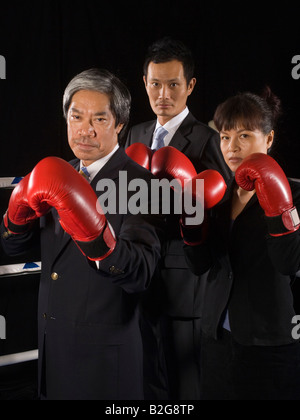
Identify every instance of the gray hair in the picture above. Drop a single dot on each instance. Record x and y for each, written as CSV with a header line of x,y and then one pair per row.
x,y
102,81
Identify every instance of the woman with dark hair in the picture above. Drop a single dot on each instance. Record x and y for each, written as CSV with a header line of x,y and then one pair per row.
x,y
252,251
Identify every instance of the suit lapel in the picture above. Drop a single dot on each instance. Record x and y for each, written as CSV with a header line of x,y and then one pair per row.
x,y
147,136
112,169
180,140
225,223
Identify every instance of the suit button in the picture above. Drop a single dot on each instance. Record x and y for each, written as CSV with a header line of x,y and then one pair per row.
x,y
54,276
45,317
115,270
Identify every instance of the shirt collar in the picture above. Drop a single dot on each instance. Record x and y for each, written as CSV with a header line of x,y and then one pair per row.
x,y
172,125
95,167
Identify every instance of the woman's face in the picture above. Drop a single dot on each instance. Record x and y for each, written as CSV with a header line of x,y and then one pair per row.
x,y
237,144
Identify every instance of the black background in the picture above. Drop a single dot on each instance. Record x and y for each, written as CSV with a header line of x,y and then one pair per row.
x,y
237,46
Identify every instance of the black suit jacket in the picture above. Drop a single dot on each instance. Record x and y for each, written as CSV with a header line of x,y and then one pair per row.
x,y
200,143
178,288
89,338
250,274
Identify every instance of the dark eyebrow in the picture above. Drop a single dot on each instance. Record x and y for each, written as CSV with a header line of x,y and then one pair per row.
x,y
243,129
238,131
168,81
75,110
98,114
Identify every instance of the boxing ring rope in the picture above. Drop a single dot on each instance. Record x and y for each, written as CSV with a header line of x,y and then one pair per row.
x,y
17,270
20,269
9,182
15,359
11,271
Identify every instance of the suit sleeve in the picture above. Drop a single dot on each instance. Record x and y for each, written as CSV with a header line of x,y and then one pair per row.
x,y
212,157
14,245
198,257
284,251
134,260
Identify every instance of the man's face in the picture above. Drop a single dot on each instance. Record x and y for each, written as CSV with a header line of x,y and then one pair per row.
x,y
92,131
167,89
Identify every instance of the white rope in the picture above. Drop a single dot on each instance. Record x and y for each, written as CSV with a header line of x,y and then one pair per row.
x,y
19,269
14,359
9,182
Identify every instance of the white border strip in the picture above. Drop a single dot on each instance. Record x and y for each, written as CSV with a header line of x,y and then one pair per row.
x,y
19,269
15,359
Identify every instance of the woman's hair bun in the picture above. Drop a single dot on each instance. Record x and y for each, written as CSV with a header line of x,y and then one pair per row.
x,y
273,102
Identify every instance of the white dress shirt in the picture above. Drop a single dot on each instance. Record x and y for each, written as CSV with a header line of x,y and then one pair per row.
x,y
173,125
95,167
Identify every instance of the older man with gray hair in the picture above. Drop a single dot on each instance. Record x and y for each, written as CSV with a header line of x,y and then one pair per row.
x,y
90,344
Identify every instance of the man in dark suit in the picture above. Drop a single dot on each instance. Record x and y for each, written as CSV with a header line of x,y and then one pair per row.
x,y
169,81
90,344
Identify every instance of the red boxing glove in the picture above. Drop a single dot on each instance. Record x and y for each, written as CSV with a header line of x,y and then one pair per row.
x,y
262,173
214,191
141,154
214,188
170,163
55,183
19,216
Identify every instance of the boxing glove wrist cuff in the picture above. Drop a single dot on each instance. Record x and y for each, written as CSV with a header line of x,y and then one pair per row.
x,y
287,222
191,236
101,247
16,229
